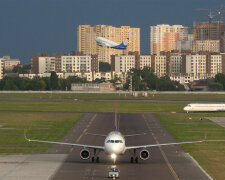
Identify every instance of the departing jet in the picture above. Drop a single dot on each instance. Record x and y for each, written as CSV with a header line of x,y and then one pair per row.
x,y
111,44
114,145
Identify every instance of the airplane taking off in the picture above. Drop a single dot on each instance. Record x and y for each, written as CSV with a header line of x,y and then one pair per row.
x,y
111,44
204,107
114,145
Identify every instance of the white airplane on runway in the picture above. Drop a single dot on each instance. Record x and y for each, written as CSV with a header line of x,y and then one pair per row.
x,y
204,107
114,145
111,44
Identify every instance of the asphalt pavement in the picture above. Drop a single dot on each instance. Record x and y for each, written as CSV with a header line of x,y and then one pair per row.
x,y
168,162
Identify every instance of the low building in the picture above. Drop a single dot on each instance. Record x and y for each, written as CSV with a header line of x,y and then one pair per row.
x,y
93,87
8,63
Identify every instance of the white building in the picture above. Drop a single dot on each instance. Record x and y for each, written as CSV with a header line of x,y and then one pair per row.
x,y
185,78
175,64
76,63
46,64
164,37
196,64
1,68
9,63
160,66
124,63
145,61
215,64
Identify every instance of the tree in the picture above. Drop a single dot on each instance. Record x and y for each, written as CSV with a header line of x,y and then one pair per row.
x,y
220,78
10,85
215,86
164,84
104,67
54,81
97,80
149,77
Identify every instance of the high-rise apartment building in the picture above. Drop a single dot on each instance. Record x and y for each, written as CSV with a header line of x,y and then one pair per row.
x,y
165,37
205,31
86,40
207,45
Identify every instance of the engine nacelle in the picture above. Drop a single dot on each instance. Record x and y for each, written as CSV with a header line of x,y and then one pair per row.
x,y
85,154
144,154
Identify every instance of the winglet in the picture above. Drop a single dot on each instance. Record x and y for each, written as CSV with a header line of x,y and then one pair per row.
x,y
25,136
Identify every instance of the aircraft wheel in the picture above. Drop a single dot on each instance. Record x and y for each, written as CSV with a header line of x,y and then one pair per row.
x,y
131,160
97,160
136,159
93,159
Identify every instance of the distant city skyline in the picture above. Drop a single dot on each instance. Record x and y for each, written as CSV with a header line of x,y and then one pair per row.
x,y
30,27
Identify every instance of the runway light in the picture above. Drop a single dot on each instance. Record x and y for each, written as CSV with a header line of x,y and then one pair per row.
x,y
113,156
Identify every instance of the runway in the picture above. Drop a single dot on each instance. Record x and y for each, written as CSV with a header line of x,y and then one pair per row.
x,y
165,163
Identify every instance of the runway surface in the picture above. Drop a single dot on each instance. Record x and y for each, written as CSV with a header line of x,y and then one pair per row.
x,y
165,162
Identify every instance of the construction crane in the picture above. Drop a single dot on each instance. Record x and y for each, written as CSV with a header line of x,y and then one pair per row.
x,y
220,13
210,15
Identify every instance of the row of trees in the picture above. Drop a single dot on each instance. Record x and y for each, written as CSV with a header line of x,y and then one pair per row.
x,y
37,83
138,80
146,79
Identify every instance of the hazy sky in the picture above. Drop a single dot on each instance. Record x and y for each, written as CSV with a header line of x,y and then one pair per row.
x,y
29,27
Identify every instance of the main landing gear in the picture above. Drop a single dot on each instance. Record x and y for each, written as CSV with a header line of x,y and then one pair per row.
x,y
134,158
95,158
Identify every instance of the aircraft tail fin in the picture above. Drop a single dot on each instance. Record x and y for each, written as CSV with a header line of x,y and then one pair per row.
x,y
125,42
123,45
115,122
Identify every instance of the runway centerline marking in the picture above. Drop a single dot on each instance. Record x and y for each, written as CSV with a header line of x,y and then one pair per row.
x,y
161,151
92,119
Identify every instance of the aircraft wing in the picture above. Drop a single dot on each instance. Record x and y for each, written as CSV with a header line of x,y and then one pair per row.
x,y
166,144
64,143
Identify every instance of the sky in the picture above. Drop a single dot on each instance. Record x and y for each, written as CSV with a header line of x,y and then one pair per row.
x,y
30,27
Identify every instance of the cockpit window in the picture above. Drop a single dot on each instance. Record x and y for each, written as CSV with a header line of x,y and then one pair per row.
x,y
114,141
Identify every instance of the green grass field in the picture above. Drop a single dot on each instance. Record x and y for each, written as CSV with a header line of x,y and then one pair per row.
x,y
45,123
49,126
89,96
210,155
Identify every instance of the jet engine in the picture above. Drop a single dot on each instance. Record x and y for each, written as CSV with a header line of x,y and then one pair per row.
x,y
85,154
144,154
